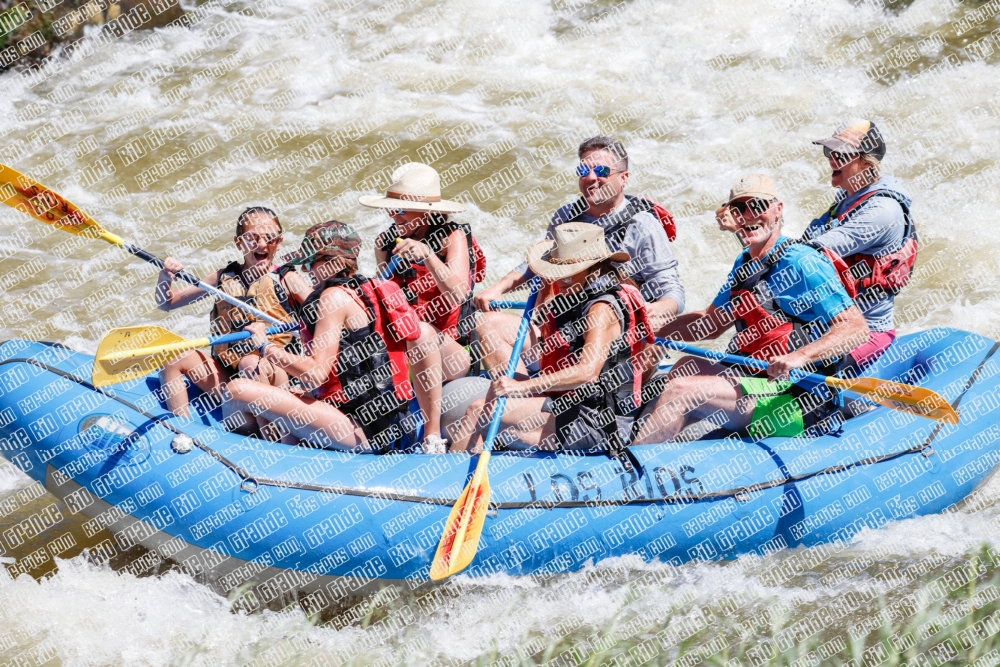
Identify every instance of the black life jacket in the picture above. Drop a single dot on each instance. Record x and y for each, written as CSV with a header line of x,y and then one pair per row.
x,y
617,391
369,379
616,223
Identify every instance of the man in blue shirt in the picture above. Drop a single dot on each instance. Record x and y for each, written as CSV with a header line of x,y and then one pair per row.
x,y
789,309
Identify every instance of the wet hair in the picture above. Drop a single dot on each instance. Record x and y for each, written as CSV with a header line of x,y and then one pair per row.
x,y
601,143
348,267
241,222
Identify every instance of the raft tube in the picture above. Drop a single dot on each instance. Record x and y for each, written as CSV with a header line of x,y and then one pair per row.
x,y
325,524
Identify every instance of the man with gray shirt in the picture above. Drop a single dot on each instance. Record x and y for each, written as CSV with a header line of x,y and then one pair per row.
x,y
870,227
629,224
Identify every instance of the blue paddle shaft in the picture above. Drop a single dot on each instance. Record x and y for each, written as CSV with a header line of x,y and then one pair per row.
x,y
796,376
515,357
508,304
389,269
243,335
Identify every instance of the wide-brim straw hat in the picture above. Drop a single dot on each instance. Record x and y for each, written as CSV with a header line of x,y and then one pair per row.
x,y
577,247
415,187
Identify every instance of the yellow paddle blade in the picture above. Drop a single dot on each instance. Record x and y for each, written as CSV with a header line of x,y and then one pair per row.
x,y
128,339
44,205
919,401
460,538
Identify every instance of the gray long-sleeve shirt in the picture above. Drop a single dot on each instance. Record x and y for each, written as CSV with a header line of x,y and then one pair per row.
x,y
877,227
647,245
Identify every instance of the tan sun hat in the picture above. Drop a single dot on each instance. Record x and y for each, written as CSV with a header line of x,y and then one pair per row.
x,y
577,247
753,185
415,187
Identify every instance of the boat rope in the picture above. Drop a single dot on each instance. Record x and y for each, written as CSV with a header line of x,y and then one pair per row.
x,y
250,482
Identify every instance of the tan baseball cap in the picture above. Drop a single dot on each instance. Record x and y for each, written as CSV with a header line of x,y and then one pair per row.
x,y
753,185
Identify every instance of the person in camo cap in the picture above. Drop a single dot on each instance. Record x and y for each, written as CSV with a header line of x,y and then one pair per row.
x,y
355,361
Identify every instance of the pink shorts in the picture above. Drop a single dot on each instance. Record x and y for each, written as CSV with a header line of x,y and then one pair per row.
x,y
868,352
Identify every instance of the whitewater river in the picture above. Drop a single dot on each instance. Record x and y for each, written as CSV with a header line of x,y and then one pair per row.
x,y
304,105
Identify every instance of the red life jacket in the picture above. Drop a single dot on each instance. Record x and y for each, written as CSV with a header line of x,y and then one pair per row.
x,y
371,363
420,287
763,330
563,328
860,272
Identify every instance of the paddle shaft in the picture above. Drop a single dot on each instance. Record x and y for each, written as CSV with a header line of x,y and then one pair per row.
x,y
515,358
390,268
795,376
193,280
195,343
513,305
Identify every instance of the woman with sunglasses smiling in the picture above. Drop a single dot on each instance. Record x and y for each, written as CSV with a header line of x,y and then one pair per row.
x,y
441,264
869,225
255,279
355,364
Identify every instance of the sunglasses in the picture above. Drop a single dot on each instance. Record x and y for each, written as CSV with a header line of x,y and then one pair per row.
x,y
755,206
251,239
393,212
600,170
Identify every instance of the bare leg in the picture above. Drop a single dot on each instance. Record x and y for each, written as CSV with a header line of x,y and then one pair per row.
x,y
523,420
261,370
203,371
434,358
497,333
298,417
696,389
253,367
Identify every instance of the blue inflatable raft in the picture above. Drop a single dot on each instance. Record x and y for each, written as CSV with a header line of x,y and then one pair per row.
x,y
327,524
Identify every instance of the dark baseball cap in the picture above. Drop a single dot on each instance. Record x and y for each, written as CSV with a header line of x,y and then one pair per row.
x,y
330,239
857,136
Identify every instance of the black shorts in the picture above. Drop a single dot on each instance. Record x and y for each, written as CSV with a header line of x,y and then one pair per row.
x,y
581,428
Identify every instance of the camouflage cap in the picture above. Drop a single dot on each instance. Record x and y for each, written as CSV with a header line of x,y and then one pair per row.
x,y
329,239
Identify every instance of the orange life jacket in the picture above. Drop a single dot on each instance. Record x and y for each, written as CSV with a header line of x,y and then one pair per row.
x,y
264,292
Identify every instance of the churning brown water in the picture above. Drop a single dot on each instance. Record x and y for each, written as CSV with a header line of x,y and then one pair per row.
x,y
165,136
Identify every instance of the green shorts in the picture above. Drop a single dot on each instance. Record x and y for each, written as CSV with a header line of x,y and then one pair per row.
x,y
777,412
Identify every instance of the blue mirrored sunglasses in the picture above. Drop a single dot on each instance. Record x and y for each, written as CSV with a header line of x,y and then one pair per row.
x,y
600,170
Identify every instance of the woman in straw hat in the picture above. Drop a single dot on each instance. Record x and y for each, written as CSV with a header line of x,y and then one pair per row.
x,y
442,264
593,328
